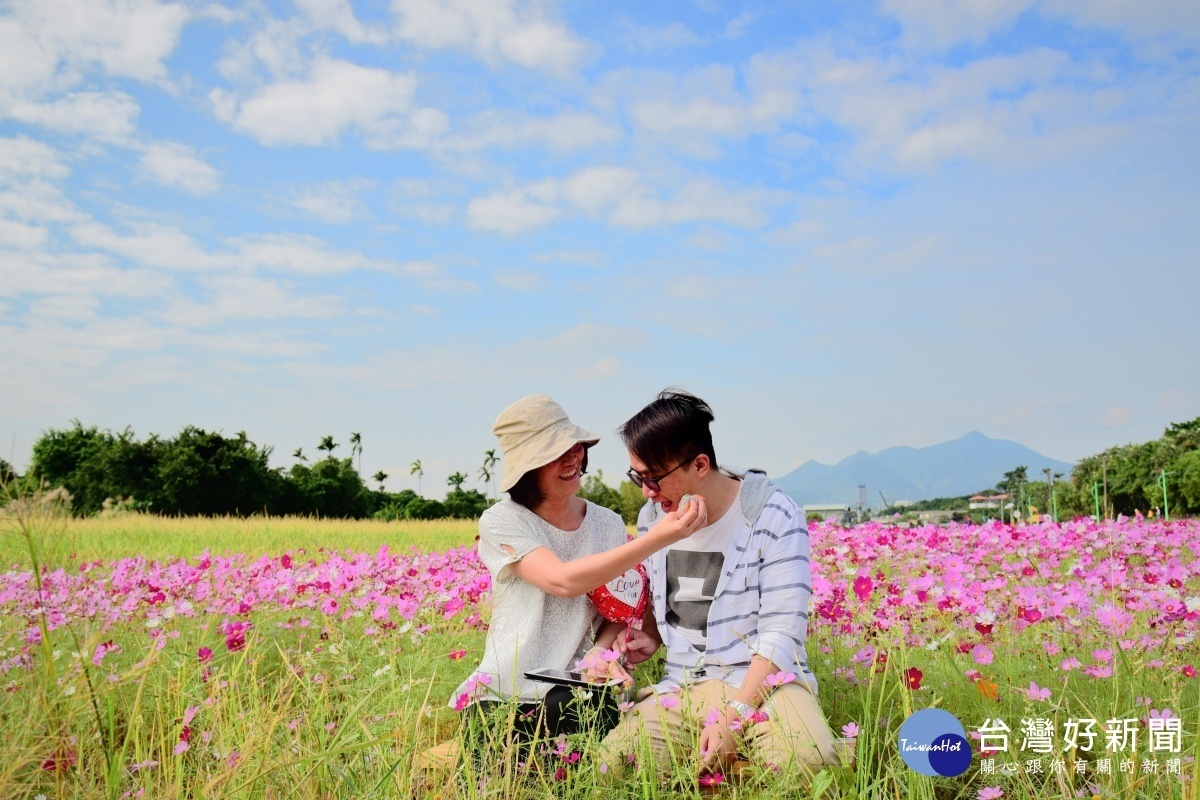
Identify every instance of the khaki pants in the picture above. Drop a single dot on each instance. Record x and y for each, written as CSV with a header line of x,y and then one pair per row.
x,y
795,732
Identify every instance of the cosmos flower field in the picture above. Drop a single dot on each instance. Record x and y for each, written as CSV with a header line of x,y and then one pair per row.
x,y
325,672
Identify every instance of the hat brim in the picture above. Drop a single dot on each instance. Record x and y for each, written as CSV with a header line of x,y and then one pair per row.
x,y
545,447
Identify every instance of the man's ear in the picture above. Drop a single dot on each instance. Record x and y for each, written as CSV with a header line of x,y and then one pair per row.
x,y
702,465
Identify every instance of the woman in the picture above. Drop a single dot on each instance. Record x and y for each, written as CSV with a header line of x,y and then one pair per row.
x,y
546,549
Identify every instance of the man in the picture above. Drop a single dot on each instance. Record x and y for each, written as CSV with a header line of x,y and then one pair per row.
x,y
730,605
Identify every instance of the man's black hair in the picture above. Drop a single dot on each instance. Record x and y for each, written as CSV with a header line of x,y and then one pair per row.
x,y
526,490
670,430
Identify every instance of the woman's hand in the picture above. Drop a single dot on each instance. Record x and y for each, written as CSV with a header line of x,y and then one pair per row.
x,y
680,524
599,665
636,645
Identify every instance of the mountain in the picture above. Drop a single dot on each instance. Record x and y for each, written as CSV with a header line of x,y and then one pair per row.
x,y
950,469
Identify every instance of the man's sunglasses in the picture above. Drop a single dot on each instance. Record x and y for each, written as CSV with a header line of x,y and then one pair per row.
x,y
653,483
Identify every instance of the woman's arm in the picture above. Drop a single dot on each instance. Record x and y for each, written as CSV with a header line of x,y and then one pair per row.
x,y
579,576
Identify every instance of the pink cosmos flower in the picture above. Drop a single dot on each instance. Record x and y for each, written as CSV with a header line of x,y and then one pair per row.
x,y
455,655
205,654
1103,656
982,654
991,793
1069,664
1188,671
712,779
668,701
850,730
779,679
1036,692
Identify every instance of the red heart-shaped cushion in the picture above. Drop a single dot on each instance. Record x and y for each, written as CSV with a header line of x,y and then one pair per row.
x,y
623,599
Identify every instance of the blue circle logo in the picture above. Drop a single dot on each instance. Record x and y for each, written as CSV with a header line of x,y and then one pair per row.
x,y
933,742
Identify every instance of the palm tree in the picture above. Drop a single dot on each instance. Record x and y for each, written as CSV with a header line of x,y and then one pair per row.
x,y
299,454
380,477
356,446
487,471
328,444
457,479
415,469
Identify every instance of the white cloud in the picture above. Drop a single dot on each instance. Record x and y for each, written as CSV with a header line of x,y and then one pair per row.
x,y
335,202
517,31
21,236
520,280
336,96
175,164
944,23
570,130
108,116
620,196
602,368
47,44
510,212
22,156
713,101
338,15
245,297
434,276
595,190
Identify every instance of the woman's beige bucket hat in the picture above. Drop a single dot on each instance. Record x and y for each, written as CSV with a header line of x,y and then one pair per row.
x,y
532,432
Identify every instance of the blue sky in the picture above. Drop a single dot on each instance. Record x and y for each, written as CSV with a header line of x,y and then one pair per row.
x,y
847,225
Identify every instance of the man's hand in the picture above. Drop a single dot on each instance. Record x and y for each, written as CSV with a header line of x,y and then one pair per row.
x,y
636,645
718,740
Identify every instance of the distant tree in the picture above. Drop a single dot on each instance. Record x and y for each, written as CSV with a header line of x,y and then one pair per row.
x,y
395,506
468,504
597,491
328,445
424,508
632,501
331,487
487,471
415,469
456,480
299,454
380,477
356,448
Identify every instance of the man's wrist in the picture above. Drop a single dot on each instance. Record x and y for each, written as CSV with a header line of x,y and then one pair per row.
x,y
744,710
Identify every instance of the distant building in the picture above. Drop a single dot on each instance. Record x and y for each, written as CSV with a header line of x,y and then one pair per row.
x,y
830,512
987,501
902,504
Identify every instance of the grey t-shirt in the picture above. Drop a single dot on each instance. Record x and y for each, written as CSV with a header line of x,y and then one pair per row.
x,y
531,629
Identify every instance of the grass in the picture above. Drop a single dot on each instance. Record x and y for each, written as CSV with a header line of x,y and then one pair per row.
x,y
153,537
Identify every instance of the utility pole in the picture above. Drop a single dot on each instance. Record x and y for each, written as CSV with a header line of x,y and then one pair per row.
x,y
1096,498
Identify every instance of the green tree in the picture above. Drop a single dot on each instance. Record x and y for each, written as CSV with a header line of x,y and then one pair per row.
x,y
331,487
380,477
488,471
456,480
356,448
415,469
424,508
465,504
299,454
203,473
597,491
328,445
632,501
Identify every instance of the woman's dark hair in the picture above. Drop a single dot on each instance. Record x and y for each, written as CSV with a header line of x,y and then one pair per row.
x,y
526,491
671,429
